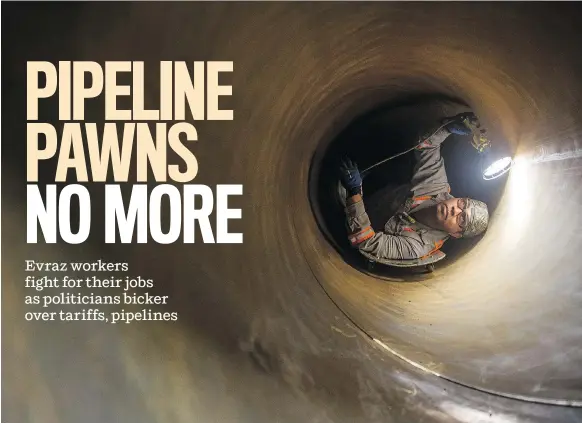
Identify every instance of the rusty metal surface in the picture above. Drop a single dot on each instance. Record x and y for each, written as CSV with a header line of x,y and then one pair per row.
x,y
281,328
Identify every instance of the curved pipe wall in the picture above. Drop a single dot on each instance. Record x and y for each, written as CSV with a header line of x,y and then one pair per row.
x,y
493,337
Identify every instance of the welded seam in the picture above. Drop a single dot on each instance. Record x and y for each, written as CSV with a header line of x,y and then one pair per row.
x,y
547,401
411,362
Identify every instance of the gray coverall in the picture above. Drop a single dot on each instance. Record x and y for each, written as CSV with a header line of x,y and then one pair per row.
x,y
403,236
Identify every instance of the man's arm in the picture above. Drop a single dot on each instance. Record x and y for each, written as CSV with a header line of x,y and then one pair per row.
x,y
430,177
378,244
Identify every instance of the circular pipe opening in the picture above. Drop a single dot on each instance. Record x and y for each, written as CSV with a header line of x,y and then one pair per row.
x,y
392,129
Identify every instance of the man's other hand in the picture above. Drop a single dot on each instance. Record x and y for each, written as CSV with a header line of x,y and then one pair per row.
x,y
350,177
458,124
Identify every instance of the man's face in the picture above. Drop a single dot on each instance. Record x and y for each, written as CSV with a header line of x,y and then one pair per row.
x,y
452,215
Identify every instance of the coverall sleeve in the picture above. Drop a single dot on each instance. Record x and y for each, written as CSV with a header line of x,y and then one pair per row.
x,y
379,244
430,177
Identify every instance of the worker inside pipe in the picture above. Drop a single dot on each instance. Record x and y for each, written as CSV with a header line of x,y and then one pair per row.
x,y
429,216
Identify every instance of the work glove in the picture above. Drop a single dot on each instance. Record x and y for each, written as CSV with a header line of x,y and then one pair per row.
x,y
457,125
350,177
468,124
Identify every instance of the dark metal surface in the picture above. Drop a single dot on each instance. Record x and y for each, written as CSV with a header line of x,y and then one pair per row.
x,y
258,339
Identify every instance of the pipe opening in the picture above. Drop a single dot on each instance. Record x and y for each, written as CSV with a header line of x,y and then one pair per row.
x,y
386,131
